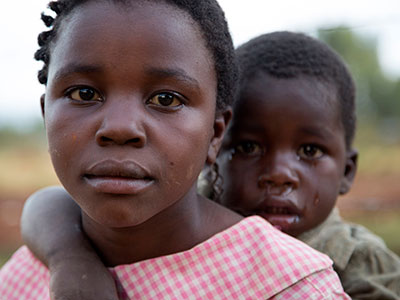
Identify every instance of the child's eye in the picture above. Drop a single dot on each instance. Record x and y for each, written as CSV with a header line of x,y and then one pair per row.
x,y
310,152
165,100
84,94
248,147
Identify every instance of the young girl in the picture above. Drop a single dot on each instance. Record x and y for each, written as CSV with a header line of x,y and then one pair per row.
x,y
137,100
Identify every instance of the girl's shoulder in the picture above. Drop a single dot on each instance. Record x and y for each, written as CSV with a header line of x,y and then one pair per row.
x,y
24,277
284,249
249,260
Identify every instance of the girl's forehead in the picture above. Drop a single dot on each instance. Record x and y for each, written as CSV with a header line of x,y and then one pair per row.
x,y
154,33
125,17
131,15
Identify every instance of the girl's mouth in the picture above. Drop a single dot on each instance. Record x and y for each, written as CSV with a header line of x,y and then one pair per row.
x,y
118,177
118,184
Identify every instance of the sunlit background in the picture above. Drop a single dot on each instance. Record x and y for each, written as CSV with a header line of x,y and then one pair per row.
x,y
365,33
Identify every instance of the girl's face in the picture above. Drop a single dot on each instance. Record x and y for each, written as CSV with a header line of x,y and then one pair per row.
x,y
285,156
130,109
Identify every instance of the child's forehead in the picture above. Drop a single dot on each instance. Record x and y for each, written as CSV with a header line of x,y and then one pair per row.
x,y
303,89
266,101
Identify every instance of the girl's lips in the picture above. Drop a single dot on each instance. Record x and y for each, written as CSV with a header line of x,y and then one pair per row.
x,y
118,177
118,185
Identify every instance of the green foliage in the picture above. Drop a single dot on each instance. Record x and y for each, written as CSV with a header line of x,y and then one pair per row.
x,y
378,96
12,137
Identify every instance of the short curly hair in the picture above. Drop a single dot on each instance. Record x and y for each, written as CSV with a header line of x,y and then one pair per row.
x,y
206,13
286,54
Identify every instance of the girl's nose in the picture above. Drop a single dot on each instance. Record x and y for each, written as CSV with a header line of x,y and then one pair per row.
x,y
279,171
122,125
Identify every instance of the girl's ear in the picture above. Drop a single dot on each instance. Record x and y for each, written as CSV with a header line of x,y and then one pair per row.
x,y
349,171
42,103
221,122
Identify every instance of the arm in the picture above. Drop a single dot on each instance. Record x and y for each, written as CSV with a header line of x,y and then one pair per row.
x,y
51,228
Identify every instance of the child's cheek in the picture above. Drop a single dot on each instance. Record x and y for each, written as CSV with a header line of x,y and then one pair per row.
x,y
326,180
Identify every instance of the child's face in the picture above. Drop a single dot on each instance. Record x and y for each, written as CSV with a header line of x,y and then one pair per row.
x,y
129,109
285,156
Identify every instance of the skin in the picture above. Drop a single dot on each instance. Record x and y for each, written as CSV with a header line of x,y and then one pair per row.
x,y
76,271
130,118
285,157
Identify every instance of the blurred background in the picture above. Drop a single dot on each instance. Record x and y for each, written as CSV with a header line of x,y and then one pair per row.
x,y
365,33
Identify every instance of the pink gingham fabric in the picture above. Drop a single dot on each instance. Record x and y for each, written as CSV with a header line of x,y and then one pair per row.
x,y
250,260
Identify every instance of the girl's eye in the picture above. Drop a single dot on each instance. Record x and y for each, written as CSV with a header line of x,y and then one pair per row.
x,y
165,100
248,147
84,94
310,152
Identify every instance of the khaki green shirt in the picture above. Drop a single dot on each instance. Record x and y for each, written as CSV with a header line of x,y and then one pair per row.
x,y
366,267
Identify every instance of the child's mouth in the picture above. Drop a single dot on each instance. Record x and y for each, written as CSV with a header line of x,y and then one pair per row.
x,y
281,221
280,218
281,215
277,210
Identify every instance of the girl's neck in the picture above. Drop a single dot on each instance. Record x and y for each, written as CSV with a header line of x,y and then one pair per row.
x,y
183,225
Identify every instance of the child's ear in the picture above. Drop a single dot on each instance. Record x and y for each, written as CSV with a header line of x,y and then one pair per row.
x,y
221,122
42,103
349,171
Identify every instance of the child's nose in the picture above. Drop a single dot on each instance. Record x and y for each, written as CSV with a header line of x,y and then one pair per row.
x,y
279,171
122,125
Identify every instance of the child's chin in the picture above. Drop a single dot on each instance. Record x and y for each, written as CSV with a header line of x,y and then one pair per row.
x,y
284,223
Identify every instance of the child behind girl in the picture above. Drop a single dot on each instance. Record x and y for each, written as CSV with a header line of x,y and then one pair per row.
x,y
137,100
288,155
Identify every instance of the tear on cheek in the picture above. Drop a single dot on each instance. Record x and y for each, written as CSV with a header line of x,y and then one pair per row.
x,y
54,152
189,173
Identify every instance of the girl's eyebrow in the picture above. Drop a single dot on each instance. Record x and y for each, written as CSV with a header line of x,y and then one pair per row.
x,y
160,73
174,73
76,68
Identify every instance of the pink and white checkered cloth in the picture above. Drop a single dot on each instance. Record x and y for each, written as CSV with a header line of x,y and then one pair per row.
x,y
250,260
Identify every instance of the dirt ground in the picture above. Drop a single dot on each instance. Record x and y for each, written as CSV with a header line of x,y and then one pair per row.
x,y
372,192
369,193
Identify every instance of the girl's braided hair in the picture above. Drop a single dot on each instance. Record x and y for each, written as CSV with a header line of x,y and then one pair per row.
x,y
206,13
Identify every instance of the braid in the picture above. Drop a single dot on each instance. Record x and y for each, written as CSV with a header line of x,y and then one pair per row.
x,y
210,183
216,183
46,37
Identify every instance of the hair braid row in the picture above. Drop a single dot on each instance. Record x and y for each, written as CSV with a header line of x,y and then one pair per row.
x,y
45,38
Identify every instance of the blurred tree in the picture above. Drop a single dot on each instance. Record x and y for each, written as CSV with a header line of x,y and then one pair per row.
x,y
378,96
33,136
